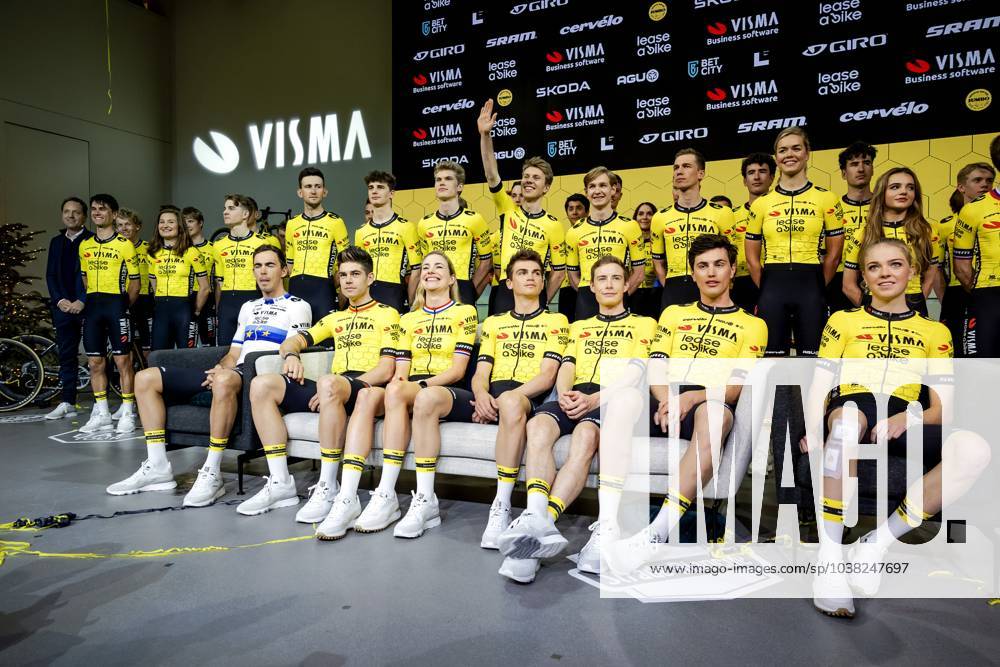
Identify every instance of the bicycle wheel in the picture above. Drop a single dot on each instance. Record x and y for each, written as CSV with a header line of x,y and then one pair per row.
x,y
21,374
114,379
48,354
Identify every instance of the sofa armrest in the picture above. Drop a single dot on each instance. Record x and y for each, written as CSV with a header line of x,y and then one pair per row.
x,y
201,358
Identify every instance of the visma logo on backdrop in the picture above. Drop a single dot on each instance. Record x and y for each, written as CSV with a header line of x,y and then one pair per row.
x,y
223,157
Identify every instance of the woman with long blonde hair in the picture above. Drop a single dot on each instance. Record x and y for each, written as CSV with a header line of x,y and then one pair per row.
x,y
896,212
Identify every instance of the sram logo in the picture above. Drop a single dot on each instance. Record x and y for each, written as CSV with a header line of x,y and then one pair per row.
x,y
433,54
969,26
674,135
537,6
702,4
843,45
516,38
774,124
464,103
562,89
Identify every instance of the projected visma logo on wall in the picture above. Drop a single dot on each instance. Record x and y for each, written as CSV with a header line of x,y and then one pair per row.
x,y
323,144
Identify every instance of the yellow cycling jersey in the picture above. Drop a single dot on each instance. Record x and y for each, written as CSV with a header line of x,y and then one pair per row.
x,y
697,331
737,236
649,276
977,237
312,244
675,227
430,336
142,257
567,225
393,246
463,236
623,336
792,223
233,260
108,265
891,230
855,215
867,333
361,336
205,248
520,230
588,241
946,235
176,275
517,344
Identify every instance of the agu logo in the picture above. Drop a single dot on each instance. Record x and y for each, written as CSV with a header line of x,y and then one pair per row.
x,y
222,159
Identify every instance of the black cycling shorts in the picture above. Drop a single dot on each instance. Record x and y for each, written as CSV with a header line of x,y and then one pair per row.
x,y
230,303
745,293
647,302
205,321
297,396
467,292
586,303
173,323
181,385
105,320
793,299
686,425
986,303
320,293
141,316
678,291
462,410
390,294
565,423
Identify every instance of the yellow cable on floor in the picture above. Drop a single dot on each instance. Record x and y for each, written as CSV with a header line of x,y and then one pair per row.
x,y
11,549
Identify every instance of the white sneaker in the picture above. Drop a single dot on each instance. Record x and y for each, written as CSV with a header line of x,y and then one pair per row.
x,y
319,504
589,559
866,557
119,412
208,488
521,570
381,511
341,518
422,515
145,479
126,423
64,409
626,556
274,495
100,420
832,592
531,536
498,522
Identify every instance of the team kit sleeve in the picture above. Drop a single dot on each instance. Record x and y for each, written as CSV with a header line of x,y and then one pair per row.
x,y
196,262
505,205
465,337
131,259
299,316
834,339
726,220
557,245
390,334
573,250
290,230
403,351
241,323
755,339
341,239
320,331
657,248
636,246
755,221
487,341
663,339
833,215
572,346
852,248
556,338
413,250
482,237
644,336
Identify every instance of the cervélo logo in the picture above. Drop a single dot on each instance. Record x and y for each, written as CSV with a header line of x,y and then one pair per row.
x,y
460,105
537,6
435,80
433,54
608,21
904,109
743,28
953,65
844,45
574,57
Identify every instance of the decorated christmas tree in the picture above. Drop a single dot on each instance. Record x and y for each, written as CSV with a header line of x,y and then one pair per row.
x,y
22,310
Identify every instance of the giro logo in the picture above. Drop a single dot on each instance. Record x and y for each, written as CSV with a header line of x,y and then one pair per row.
x,y
607,22
717,29
844,45
674,135
562,89
222,159
716,94
537,6
433,54
969,26
918,66
904,109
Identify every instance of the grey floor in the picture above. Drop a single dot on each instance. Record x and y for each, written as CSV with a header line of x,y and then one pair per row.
x,y
371,599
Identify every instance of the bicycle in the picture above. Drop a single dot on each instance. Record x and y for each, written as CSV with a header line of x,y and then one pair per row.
x,y
21,375
48,354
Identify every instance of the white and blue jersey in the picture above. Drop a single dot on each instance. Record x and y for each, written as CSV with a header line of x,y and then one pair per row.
x,y
265,323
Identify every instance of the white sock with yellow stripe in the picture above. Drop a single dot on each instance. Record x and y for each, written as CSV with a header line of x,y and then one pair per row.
x,y
277,461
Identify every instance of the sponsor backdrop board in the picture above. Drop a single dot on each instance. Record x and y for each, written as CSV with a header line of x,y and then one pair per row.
x,y
627,84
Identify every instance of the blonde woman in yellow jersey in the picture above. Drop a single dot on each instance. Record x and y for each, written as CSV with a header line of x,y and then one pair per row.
x,y
888,328
973,180
713,327
392,242
462,235
602,232
524,224
233,261
312,240
977,261
787,227
614,333
897,212
175,266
